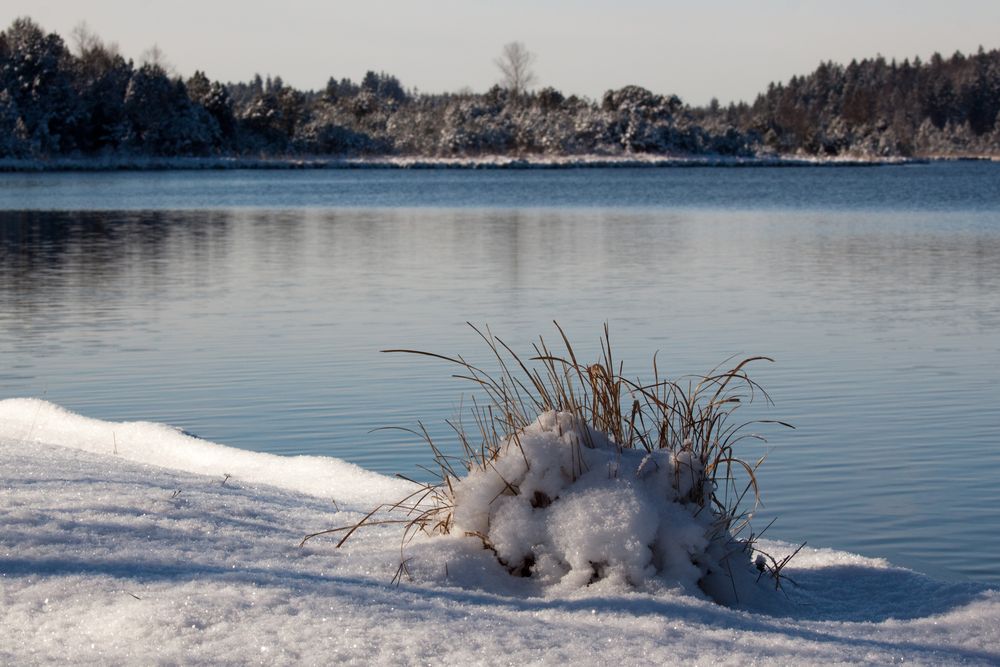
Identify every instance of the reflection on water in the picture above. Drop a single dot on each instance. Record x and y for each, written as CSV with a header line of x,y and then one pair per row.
x,y
261,329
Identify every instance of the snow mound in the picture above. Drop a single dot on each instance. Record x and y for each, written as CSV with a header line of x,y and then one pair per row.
x,y
563,504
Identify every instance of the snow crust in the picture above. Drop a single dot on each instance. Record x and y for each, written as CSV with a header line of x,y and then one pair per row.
x,y
147,557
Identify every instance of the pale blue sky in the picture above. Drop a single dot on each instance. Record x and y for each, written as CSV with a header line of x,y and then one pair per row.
x,y
726,48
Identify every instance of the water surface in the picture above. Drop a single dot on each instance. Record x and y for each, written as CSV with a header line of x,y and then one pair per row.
x,y
250,308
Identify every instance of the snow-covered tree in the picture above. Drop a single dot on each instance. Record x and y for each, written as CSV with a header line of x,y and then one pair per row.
x,y
162,119
35,71
13,142
101,78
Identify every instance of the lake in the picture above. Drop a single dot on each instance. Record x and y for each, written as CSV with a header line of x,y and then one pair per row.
x,y
249,308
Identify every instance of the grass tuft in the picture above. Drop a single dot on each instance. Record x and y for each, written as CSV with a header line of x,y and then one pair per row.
x,y
691,418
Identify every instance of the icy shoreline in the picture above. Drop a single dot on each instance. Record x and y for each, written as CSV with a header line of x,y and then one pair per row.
x,y
137,543
409,162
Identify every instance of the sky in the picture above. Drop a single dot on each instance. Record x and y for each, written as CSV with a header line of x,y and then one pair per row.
x,y
725,49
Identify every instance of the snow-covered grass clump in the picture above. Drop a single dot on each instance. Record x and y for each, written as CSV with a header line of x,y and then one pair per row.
x,y
563,503
578,476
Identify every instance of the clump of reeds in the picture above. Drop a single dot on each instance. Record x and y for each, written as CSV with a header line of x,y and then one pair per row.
x,y
691,418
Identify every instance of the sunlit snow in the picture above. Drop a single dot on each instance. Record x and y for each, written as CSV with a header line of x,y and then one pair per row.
x,y
135,542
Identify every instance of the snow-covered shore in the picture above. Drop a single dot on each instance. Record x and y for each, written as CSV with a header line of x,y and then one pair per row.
x,y
136,543
140,163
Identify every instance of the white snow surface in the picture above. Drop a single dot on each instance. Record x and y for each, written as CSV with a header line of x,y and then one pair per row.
x,y
151,555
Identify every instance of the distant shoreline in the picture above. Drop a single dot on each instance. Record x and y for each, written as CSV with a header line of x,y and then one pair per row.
x,y
140,163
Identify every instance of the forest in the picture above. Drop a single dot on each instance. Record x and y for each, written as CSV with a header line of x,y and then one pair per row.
x,y
87,100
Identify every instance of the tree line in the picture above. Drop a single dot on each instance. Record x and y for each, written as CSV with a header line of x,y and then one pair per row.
x,y
91,101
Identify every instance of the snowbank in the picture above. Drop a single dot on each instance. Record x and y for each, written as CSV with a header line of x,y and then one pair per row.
x,y
148,556
34,420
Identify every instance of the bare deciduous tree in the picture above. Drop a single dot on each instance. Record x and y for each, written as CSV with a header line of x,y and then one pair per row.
x,y
92,51
155,56
84,39
515,64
